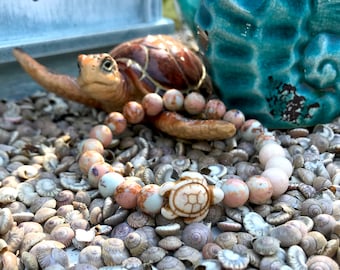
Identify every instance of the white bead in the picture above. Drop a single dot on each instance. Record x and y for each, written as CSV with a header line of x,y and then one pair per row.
x,y
270,150
281,163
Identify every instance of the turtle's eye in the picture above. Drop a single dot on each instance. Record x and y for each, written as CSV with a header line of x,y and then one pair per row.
x,y
107,65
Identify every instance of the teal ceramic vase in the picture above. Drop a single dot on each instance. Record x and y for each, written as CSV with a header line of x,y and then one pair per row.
x,y
276,60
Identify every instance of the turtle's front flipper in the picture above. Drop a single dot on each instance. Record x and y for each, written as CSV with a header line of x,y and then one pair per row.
x,y
179,126
62,85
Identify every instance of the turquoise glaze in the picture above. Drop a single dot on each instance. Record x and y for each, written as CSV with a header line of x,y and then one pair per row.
x,y
277,60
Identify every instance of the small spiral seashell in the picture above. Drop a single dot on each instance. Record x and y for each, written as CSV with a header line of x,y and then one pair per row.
x,y
170,243
232,260
91,255
266,245
64,197
226,240
121,230
114,251
271,262
8,195
63,233
313,243
133,263
52,222
245,239
13,239
150,234
47,188
296,257
6,220
331,248
153,255
210,250
188,254
44,214
9,260
138,219
52,256
321,262
29,260
311,207
167,230
196,235
136,243
280,232
170,262
255,224
324,223
43,202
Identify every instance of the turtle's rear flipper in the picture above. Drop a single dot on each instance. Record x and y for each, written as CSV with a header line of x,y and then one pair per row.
x,y
62,85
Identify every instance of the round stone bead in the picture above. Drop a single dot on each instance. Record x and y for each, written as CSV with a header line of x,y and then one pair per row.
x,y
270,150
102,133
251,129
149,200
234,116
173,100
91,144
116,122
87,159
96,171
108,183
194,103
260,189
133,112
152,104
279,180
236,192
280,162
126,194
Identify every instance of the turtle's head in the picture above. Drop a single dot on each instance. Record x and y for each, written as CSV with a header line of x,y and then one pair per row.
x,y
99,76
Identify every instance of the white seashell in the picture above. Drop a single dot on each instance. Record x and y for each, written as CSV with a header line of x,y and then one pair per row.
x,y
47,188
296,257
232,260
26,193
8,195
70,181
6,220
255,224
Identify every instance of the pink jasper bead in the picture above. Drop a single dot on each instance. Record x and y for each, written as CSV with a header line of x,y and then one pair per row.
x,y
133,112
149,200
279,180
173,100
214,109
280,162
96,171
108,183
87,159
126,194
270,150
251,129
102,133
116,122
236,192
260,189
194,103
152,104
235,117
91,144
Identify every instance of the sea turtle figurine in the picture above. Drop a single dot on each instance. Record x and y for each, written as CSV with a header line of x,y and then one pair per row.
x,y
155,63
278,61
189,197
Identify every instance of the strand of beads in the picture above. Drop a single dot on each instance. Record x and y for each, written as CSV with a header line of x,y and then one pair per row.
x,y
153,104
130,192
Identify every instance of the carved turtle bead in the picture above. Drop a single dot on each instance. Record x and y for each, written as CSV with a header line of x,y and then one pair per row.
x,y
190,197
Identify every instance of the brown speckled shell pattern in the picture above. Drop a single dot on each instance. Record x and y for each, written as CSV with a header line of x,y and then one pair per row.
x,y
158,63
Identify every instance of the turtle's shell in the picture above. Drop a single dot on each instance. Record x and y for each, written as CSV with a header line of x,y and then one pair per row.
x,y
189,198
157,63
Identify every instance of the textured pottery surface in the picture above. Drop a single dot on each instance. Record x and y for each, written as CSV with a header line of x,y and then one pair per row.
x,y
278,61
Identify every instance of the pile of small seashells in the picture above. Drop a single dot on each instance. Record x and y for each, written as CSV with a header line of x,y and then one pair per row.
x,y
269,207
